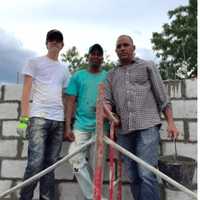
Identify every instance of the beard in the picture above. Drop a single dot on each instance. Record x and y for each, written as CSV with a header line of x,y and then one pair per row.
x,y
95,65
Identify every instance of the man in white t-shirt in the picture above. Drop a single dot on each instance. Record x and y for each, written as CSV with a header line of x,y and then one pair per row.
x,y
44,80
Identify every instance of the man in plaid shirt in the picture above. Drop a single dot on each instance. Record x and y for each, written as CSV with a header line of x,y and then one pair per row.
x,y
135,90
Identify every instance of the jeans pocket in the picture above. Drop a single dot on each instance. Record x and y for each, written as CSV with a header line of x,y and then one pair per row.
x,y
37,121
150,135
28,130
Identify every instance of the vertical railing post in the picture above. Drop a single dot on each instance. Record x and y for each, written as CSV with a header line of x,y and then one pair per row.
x,y
112,165
98,173
119,190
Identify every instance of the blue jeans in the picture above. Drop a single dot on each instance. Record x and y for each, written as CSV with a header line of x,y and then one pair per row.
x,y
45,141
144,144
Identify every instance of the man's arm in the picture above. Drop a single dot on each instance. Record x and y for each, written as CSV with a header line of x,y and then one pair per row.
x,y
162,99
26,95
69,103
108,91
171,129
22,126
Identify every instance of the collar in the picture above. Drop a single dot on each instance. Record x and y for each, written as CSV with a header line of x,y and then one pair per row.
x,y
135,60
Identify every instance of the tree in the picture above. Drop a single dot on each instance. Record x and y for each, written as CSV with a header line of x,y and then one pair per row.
x,y
77,62
74,59
176,45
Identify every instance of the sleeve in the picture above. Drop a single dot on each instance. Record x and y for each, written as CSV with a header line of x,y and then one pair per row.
x,y
29,68
158,87
72,88
108,89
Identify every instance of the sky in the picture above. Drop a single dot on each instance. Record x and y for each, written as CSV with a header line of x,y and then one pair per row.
x,y
24,24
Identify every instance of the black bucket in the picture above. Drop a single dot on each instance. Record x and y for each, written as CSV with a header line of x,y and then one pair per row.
x,y
179,168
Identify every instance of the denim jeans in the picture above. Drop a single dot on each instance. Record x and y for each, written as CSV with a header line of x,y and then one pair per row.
x,y
45,141
144,144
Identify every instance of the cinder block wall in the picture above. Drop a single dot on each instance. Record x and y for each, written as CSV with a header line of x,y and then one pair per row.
x,y
13,151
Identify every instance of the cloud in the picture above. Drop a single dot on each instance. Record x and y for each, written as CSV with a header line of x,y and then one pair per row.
x,y
12,57
146,54
122,13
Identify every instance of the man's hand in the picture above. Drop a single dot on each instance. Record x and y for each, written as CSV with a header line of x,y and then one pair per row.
x,y
108,114
69,136
22,127
172,131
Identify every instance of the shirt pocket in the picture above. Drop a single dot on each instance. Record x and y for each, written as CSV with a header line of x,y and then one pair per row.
x,y
139,76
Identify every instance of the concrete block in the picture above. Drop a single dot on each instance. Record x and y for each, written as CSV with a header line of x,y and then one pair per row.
x,y
24,149
171,195
13,168
10,128
64,172
8,110
173,88
13,92
64,150
191,88
192,131
70,191
5,185
183,149
185,109
107,172
194,180
164,134
8,148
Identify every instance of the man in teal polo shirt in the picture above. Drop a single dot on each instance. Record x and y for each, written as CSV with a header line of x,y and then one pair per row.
x,y
82,93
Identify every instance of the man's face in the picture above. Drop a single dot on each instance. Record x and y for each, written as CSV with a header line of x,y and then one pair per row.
x,y
54,46
125,49
95,58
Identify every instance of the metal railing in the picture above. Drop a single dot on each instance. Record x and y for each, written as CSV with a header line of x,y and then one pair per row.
x,y
117,147
150,168
45,171
100,140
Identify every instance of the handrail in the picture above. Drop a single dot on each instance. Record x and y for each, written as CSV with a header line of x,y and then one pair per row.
x,y
110,114
149,167
117,147
46,171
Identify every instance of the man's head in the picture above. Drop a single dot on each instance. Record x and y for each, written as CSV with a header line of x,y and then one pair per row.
x,y
54,40
125,49
95,55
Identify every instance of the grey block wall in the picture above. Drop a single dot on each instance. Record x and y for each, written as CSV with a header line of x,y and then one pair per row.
x,y
13,151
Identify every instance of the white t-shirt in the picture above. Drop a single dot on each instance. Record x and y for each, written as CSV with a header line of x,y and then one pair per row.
x,y
49,78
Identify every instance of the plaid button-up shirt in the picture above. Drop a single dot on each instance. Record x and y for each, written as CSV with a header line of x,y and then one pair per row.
x,y
138,94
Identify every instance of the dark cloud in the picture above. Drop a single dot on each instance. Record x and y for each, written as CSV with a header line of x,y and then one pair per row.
x,y
12,57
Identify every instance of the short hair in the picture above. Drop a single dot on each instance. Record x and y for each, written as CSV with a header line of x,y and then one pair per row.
x,y
96,47
129,37
54,34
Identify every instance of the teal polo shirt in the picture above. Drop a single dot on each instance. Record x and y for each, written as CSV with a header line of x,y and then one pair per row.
x,y
84,85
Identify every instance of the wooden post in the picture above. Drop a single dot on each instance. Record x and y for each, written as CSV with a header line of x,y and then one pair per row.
x,y
111,165
98,174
